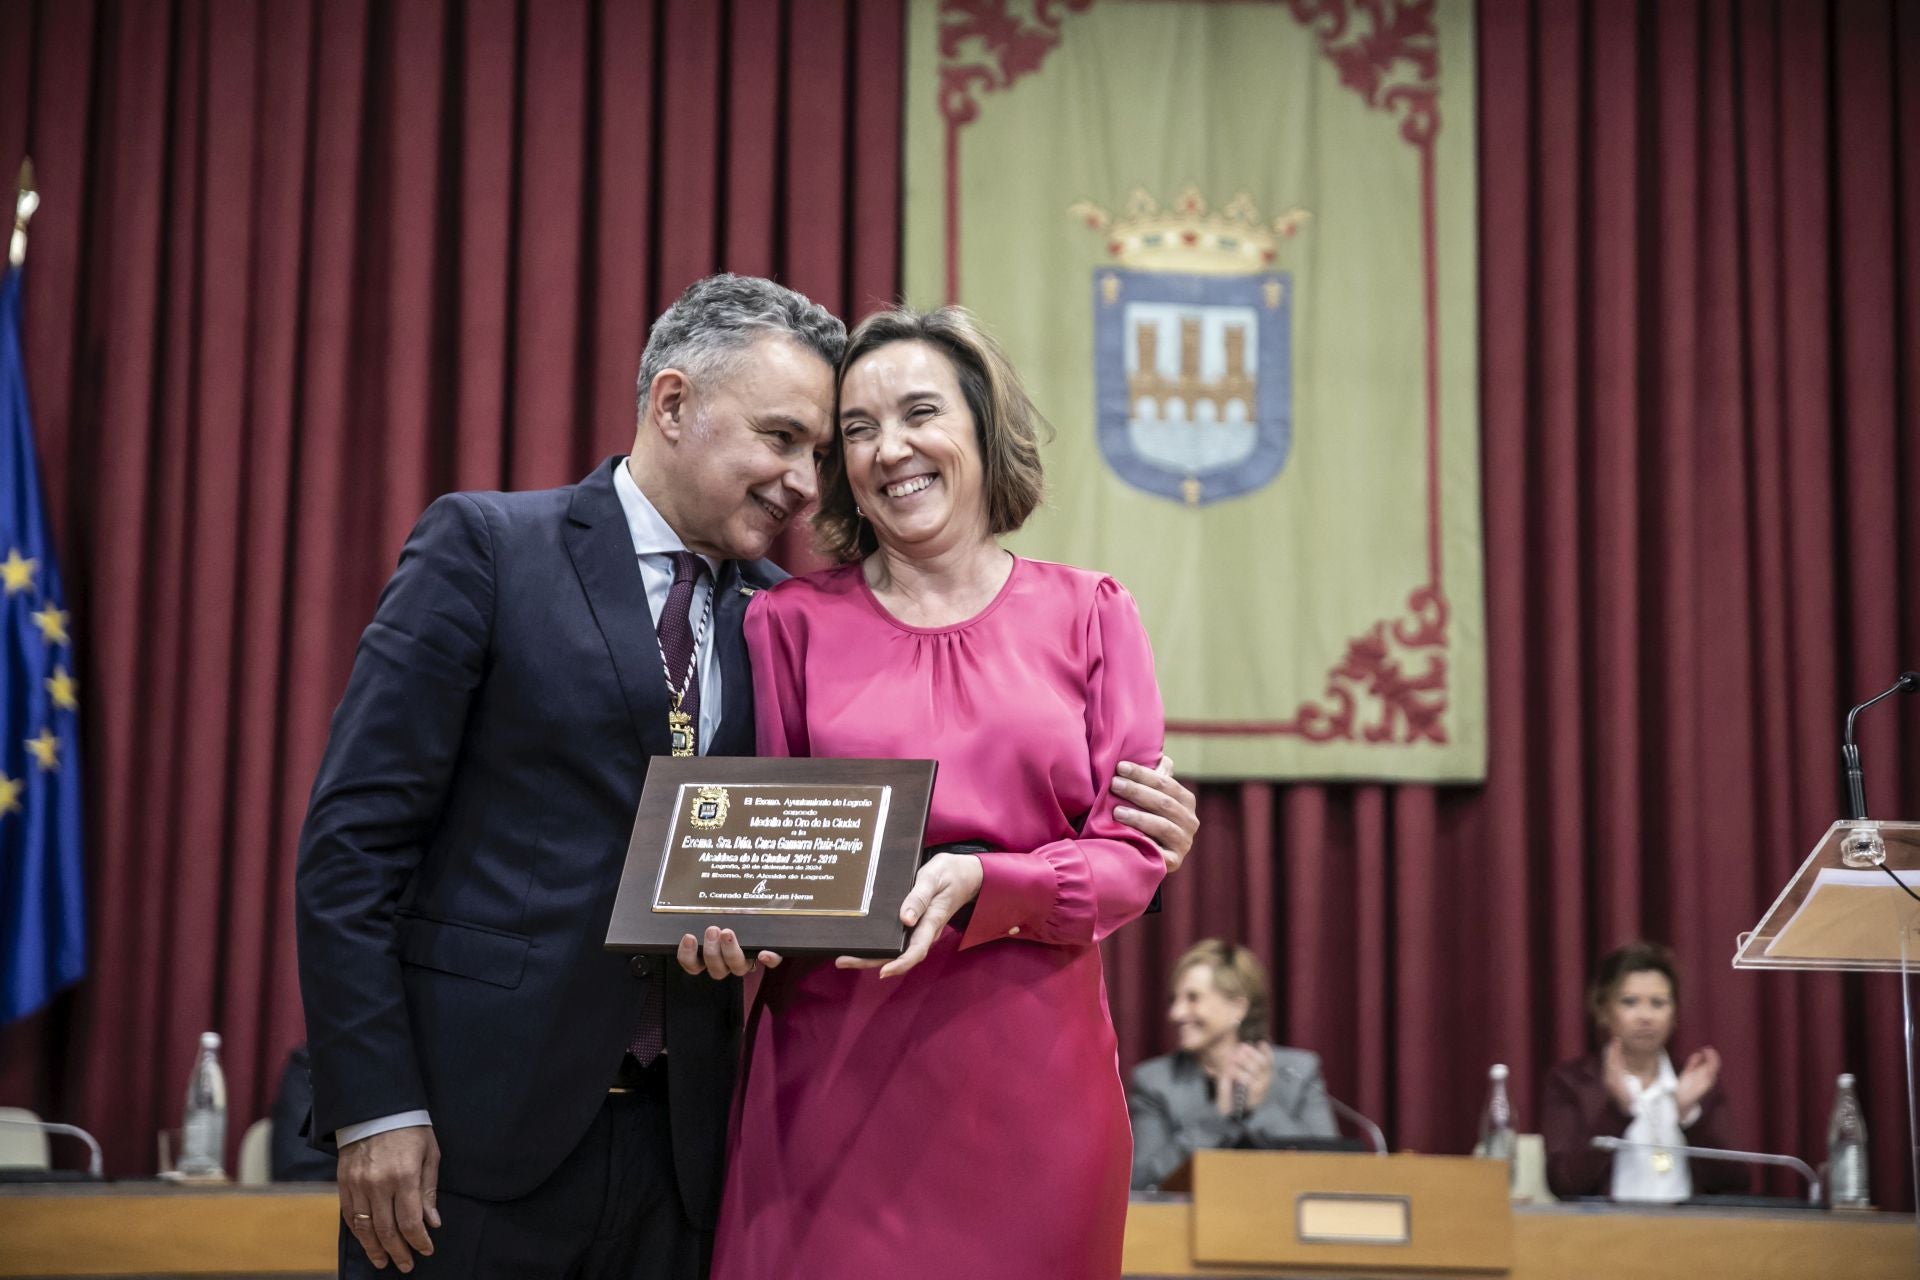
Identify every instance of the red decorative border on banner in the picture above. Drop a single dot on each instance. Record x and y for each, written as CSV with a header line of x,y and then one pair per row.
x,y
1392,61
1012,48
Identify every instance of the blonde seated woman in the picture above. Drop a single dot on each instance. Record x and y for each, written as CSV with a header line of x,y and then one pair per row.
x,y
1227,1086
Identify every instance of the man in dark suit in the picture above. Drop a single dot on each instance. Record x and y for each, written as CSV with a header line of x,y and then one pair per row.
x,y
508,1098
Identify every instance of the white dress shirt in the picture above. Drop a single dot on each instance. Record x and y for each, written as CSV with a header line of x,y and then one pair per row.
x,y
1659,1177
654,543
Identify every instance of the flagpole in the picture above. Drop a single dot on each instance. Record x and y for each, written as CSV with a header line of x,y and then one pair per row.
x,y
24,203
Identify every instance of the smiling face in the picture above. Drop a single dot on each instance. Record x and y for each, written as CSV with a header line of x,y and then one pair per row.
x,y
912,450
1202,1015
1639,1012
741,451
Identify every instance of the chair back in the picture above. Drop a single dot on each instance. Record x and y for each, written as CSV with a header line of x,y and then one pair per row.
x,y
22,1147
256,1147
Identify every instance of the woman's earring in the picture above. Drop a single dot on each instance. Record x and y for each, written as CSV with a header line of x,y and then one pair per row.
x,y
858,512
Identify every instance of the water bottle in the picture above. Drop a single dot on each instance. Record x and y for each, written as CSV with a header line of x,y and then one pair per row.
x,y
1496,1122
1847,1150
203,1134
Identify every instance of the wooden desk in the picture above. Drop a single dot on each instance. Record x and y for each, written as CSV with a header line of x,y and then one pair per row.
x,y
1601,1242
150,1229
161,1229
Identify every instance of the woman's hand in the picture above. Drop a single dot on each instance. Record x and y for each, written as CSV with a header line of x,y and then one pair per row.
x,y
1253,1066
1243,1085
1697,1079
946,883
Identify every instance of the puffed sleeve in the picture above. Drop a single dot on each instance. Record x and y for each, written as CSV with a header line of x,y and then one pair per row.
x,y
1075,892
776,648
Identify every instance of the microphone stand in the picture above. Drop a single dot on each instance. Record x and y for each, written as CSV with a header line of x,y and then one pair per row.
x,y
1374,1135
1864,847
1799,1166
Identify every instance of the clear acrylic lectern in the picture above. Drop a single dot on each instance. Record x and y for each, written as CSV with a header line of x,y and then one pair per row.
x,y
1844,911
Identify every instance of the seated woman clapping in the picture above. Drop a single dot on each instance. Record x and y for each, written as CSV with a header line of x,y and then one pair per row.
x,y
1226,1086
1629,1088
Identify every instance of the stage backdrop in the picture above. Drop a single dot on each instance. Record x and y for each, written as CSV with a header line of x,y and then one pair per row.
x,y
1231,248
302,266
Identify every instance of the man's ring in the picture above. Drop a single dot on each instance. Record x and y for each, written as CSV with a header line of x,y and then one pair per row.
x,y
363,1217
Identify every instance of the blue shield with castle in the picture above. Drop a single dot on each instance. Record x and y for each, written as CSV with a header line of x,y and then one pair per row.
x,y
1193,357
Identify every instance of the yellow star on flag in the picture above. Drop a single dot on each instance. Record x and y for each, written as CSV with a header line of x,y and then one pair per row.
x,y
9,794
17,572
45,750
63,687
53,625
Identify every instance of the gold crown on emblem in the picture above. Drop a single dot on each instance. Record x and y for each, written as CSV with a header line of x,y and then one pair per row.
x,y
1187,238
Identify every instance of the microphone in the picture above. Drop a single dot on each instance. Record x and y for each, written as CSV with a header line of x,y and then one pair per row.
x,y
1863,847
1375,1137
66,1130
1850,751
1799,1166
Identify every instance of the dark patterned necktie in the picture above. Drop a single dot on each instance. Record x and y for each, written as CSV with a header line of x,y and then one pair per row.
x,y
676,635
676,647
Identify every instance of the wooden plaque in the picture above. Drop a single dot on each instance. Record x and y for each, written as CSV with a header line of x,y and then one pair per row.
x,y
799,856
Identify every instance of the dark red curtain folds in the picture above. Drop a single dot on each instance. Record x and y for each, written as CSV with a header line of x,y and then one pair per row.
x,y
301,267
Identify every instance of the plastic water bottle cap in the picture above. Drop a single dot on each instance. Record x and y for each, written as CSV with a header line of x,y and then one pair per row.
x,y
1846,1079
1499,1071
209,1039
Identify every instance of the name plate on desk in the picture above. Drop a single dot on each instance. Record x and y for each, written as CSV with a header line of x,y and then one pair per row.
x,y
796,856
1351,1219
1387,1214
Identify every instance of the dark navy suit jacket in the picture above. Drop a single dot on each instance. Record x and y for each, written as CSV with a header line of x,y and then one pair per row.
x,y
465,838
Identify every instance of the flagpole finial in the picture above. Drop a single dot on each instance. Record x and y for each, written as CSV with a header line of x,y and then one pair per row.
x,y
24,203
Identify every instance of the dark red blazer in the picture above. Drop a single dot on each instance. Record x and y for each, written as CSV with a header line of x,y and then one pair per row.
x,y
1577,1108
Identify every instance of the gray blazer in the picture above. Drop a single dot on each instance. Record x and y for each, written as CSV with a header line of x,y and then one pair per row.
x,y
1171,1103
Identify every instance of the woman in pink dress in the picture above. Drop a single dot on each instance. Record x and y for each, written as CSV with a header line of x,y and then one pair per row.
x,y
959,1111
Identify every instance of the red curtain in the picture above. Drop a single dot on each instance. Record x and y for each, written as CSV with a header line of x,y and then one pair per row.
x,y
302,267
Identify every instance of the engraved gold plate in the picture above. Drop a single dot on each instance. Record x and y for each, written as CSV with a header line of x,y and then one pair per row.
x,y
798,856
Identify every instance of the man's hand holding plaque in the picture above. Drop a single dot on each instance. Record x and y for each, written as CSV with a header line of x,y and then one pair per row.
x,y
719,955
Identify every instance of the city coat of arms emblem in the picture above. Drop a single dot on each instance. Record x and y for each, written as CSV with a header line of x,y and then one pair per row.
x,y
1192,348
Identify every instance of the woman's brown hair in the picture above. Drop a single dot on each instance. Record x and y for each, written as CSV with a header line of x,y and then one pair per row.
x,y
1621,963
1007,425
1238,975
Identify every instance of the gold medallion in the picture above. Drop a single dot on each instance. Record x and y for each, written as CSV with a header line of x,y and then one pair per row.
x,y
1663,1162
680,726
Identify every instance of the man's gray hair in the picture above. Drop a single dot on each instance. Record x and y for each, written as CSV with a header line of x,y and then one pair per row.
x,y
709,326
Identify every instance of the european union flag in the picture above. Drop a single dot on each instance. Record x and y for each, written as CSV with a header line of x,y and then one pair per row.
x,y
42,923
